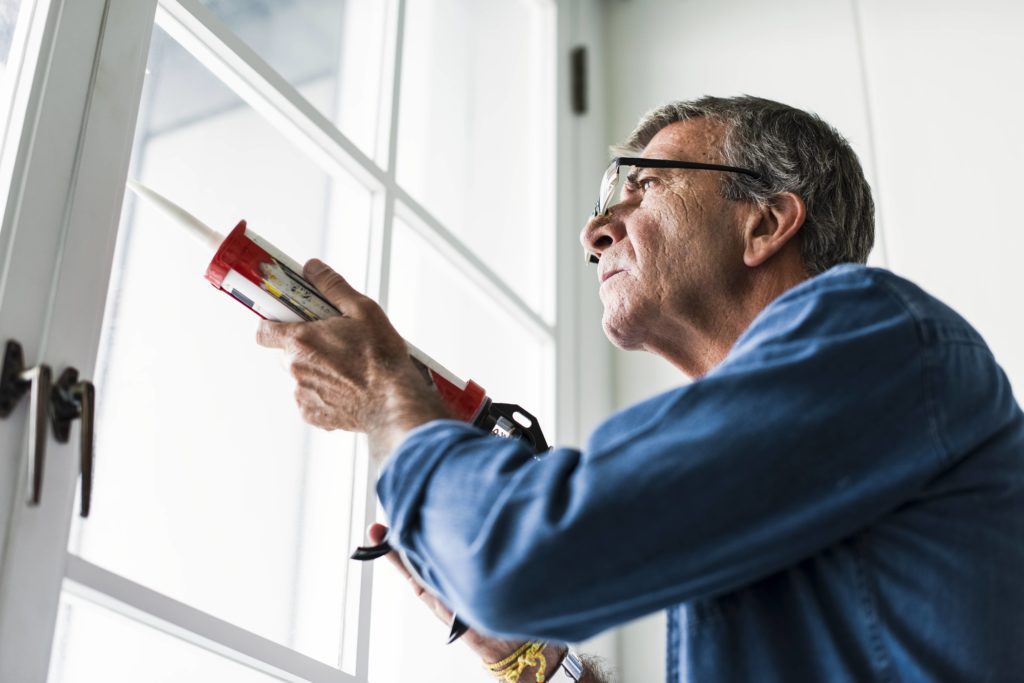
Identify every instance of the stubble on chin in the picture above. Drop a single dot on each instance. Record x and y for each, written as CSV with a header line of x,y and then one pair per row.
x,y
620,327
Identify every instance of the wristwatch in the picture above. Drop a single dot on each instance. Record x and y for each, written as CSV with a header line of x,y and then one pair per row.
x,y
571,669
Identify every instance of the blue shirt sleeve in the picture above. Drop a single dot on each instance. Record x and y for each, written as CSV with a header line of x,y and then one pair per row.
x,y
821,420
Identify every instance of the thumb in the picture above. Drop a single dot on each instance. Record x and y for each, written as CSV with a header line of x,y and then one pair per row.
x,y
376,532
333,286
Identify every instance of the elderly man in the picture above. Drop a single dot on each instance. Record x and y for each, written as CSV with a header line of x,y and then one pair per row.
x,y
837,496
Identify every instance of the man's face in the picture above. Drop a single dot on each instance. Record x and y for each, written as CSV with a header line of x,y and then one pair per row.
x,y
671,250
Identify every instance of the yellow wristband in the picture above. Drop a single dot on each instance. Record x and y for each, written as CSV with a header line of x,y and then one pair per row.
x,y
495,666
511,668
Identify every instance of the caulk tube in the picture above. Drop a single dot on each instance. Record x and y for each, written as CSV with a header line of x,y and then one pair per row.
x,y
264,279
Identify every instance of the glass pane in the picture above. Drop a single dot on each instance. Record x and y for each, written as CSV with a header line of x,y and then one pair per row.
x,y
474,132
435,307
209,487
94,644
400,623
8,20
438,309
332,51
15,17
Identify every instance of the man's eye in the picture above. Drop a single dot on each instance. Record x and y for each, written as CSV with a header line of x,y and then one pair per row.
x,y
646,183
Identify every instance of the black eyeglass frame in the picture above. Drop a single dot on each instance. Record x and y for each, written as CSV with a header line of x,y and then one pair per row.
x,y
608,185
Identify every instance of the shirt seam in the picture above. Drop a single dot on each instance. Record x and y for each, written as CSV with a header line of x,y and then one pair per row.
x,y
865,593
928,352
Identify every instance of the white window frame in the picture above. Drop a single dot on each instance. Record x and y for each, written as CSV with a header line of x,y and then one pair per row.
x,y
81,110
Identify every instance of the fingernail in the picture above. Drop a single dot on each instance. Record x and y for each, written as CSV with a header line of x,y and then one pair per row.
x,y
314,266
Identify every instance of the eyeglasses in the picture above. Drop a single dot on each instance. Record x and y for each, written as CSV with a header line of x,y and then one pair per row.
x,y
610,182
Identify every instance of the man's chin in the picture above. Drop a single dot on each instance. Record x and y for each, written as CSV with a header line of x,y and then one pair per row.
x,y
620,333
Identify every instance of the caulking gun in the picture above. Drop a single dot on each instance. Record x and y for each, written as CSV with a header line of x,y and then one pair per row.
x,y
266,281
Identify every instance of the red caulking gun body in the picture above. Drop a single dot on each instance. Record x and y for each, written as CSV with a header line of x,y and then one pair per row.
x,y
265,280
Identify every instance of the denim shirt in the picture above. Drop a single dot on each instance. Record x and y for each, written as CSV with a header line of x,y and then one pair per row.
x,y
841,499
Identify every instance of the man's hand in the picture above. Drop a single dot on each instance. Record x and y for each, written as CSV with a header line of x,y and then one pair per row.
x,y
488,649
353,371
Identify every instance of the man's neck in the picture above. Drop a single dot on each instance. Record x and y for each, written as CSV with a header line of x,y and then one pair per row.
x,y
697,347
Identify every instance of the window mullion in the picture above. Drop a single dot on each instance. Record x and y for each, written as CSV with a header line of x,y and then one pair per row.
x,y
377,287
381,256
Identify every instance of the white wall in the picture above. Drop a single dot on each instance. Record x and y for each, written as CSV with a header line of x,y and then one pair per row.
x,y
927,91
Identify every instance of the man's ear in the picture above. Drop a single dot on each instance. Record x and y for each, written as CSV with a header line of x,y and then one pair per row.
x,y
771,227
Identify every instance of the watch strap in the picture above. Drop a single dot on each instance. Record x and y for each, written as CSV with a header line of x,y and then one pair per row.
x,y
571,669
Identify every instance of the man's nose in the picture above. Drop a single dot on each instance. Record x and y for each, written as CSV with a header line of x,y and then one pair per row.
x,y
601,232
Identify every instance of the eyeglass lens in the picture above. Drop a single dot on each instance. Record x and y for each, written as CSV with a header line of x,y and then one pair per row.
x,y
608,184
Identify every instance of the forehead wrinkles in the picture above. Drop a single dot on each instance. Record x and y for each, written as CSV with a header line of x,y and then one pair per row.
x,y
700,139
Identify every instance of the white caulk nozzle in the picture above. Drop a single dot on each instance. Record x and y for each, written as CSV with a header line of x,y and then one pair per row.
x,y
200,230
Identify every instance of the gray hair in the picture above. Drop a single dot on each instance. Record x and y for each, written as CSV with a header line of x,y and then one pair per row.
x,y
793,151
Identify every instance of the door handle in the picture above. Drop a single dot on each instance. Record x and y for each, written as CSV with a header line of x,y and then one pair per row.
x,y
64,401
70,400
15,381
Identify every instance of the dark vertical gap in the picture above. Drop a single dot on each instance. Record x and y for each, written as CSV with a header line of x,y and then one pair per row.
x,y
578,80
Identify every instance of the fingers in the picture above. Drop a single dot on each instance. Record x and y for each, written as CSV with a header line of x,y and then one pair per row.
x,y
274,335
329,283
334,287
376,533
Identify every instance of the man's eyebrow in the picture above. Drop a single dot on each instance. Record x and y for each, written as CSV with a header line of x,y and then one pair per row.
x,y
634,175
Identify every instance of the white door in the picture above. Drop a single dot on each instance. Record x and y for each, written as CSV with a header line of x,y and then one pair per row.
x,y
408,143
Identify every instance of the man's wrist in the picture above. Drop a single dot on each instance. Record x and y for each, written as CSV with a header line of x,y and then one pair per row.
x,y
553,653
560,663
407,406
568,670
